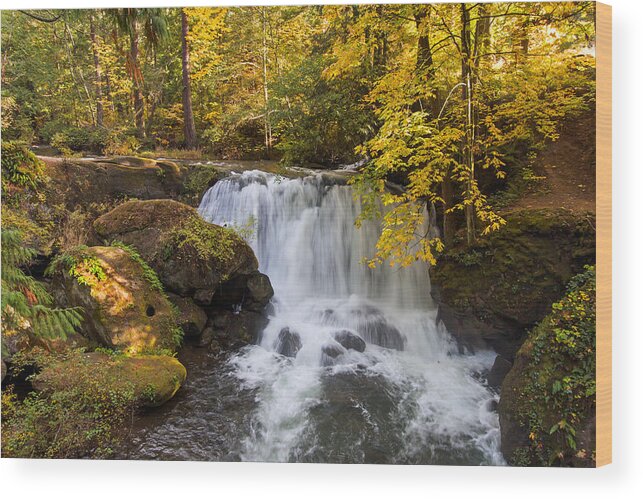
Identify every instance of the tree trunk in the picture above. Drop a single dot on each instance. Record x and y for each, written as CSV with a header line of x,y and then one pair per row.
x,y
264,60
97,73
467,95
189,130
139,105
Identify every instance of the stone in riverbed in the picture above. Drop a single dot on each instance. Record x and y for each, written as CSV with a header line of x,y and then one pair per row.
x,y
192,318
349,340
288,342
330,352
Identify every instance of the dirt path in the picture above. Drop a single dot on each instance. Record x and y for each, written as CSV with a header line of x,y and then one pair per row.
x,y
568,166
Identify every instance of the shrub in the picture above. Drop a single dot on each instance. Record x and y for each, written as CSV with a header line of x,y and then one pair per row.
x,y
20,168
86,418
556,391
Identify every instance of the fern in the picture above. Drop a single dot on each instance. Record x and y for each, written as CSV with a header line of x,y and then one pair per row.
x,y
26,304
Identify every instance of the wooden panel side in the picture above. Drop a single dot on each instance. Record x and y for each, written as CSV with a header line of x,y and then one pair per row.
x,y
603,234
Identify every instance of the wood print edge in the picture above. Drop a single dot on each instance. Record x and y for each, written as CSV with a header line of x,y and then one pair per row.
x,y
603,234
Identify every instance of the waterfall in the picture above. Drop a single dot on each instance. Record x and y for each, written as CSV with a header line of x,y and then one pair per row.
x,y
352,366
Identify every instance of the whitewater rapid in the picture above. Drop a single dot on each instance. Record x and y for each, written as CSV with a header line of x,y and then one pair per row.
x,y
408,397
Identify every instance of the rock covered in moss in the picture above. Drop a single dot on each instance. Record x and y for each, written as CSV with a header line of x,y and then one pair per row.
x,y
493,292
152,380
547,402
191,256
124,304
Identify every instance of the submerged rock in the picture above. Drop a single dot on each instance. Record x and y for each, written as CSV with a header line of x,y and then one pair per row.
x,y
369,322
349,340
372,325
288,342
123,307
330,352
192,257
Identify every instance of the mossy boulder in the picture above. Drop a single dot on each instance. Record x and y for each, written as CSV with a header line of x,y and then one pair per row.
x,y
547,405
492,292
152,380
192,257
123,301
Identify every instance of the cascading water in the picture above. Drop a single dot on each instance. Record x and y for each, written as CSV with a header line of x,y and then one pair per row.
x,y
352,366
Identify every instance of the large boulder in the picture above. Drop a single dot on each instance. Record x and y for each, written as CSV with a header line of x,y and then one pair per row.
x,y
492,292
192,257
124,304
153,379
236,329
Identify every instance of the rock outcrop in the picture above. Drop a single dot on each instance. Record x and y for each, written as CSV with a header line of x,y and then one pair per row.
x,y
82,181
493,292
123,306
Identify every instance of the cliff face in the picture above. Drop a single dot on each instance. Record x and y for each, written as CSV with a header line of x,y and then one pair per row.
x,y
491,293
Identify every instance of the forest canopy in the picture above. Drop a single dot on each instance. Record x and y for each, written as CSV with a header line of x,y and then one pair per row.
x,y
441,99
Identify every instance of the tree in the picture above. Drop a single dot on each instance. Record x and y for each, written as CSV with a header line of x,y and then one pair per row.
x,y
188,115
153,23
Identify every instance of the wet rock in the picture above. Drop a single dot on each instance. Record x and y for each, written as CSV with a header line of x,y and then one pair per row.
x,y
260,289
499,370
330,352
369,322
252,291
235,330
288,342
349,340
375,328
206,337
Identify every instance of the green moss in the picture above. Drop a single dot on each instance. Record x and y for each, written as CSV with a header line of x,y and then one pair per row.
x,y
553,396
209,241
148,272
